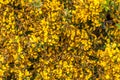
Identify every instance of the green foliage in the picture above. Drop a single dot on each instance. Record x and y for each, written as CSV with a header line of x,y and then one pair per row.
x,y
118,25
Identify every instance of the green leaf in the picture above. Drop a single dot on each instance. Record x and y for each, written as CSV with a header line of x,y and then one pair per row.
x,y
107,2
107,9
112,3
118,25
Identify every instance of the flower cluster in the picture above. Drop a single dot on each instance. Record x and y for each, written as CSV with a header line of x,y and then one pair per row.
x,y
59,39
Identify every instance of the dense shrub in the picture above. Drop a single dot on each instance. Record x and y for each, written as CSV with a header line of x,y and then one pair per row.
x,y
59,39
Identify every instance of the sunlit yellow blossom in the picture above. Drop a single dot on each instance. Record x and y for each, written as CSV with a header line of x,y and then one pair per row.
x,y
72,34
59,39
1,73
118,59
45,74
30,0
60,62
65,64
33,38
103,63
19,48
107,76
1,58
27,73
22,2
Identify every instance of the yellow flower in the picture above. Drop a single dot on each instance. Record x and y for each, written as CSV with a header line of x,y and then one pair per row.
x,y
60,62
69,48
1,73
72,34
22,2
33,38
113,45
45,75
15,56
68,78
65,64
45,33
1,58
4,1
55,37
22,56
107,76
118,59
27,73
30,0
20,75
19,48
40,12
103,63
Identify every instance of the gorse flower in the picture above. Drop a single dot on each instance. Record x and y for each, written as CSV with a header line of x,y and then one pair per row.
x,y
59,39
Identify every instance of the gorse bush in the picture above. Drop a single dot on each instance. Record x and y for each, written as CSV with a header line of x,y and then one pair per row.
x,y
59,39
